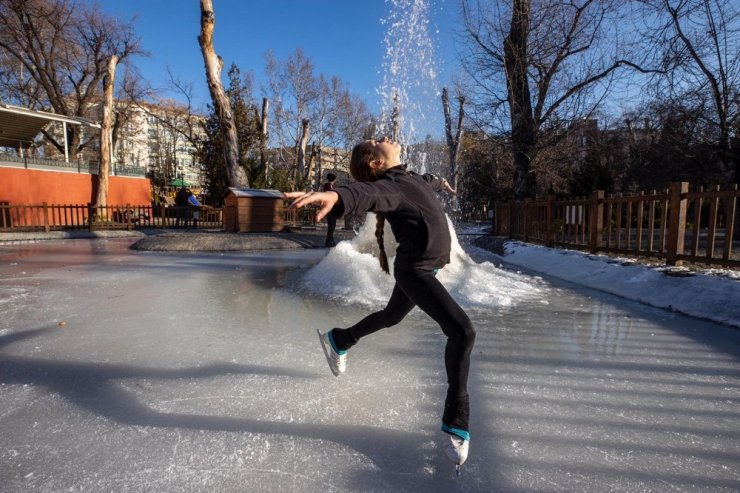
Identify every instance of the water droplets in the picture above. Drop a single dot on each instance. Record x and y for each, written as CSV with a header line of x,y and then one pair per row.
x,y
409,68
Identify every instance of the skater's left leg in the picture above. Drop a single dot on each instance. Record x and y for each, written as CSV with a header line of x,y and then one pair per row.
x,y
396,310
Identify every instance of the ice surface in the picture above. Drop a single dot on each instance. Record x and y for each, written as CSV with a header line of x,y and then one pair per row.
x,y
202,372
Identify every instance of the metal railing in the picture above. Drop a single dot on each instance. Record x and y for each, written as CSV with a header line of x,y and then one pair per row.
x,y
90,166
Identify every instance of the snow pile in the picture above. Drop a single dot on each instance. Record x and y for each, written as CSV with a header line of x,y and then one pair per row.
x,y
350,273
703,295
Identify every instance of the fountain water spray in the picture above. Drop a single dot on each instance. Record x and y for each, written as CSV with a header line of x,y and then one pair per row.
x,y
408,93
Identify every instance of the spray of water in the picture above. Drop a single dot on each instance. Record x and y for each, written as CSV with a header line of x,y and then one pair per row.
x,y
408,93
351,274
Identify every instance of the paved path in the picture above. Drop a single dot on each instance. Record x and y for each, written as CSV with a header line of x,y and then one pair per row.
x,y
187,240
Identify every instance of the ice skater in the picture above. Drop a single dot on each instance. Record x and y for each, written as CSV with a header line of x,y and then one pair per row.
x,y
408,202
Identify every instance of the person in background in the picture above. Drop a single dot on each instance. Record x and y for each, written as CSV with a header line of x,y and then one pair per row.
x,y
331,222
181,207
194,207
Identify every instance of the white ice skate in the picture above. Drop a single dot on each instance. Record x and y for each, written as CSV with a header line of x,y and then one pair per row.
x,y
337,359
456,450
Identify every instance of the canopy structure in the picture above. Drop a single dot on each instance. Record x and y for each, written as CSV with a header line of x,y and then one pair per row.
x,y
180,183
19,126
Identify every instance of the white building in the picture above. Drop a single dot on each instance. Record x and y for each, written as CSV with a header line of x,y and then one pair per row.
x,y
152,140
159,139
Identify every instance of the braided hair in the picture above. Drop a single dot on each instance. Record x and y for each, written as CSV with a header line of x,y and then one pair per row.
x,y
379,228
359,167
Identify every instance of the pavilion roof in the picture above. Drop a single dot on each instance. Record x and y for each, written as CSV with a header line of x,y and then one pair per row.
x,y
19,126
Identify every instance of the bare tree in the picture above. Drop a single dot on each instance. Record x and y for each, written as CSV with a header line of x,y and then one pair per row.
x,y
214,65
60,50
337,118
16,85
130,91
263,117
350,122
699,41
354,121
180,120
453,141
106,130
171,126
302,143
312,161
534,65
291,86
339,114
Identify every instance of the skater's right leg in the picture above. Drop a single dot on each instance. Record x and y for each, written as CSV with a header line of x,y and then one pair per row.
x,y
431,296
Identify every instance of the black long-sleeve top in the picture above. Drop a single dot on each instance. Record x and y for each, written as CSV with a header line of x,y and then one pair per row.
x,y
410,205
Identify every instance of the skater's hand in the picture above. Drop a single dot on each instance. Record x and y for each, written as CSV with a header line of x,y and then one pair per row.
x,y
325,200
446,186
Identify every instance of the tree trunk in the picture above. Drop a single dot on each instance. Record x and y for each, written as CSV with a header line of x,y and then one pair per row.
x,y
263,135
727,156
523,135
319,171
396,118
301,162
106,138
453,142
213,64
311,162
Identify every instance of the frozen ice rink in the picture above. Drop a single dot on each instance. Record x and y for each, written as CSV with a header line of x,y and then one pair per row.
x,y
150,372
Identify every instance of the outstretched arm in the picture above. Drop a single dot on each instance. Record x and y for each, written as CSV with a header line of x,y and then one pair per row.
x,y
438,183
325,200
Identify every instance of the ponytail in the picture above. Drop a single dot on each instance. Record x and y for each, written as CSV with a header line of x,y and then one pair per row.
x,y
379,227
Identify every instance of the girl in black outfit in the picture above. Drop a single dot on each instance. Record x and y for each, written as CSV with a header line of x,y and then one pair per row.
x,y
409,203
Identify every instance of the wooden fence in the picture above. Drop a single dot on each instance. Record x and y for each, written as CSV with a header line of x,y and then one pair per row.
x,y
676,225
305,216
55,217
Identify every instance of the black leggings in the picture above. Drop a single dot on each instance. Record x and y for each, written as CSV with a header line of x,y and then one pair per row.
x,y
421,288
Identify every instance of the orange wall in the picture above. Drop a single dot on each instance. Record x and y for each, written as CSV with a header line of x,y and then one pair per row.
x,y
31,186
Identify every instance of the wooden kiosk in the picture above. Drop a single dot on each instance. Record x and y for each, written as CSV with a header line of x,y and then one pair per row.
x,y
252,210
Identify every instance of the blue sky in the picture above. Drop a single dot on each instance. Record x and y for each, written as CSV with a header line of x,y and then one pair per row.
x,y
341,37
